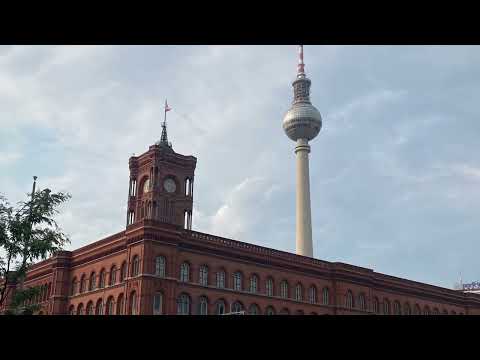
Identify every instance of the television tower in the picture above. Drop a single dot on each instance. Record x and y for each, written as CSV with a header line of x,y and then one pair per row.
x,y
302,123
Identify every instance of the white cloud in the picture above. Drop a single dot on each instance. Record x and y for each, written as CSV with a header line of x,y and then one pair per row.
x,y
347,116
7,158
243,208
468,171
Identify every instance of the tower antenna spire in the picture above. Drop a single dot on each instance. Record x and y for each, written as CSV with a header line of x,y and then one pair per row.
x,y
164,138
301,64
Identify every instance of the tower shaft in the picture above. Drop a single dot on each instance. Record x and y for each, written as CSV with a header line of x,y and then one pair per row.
x,y
304,245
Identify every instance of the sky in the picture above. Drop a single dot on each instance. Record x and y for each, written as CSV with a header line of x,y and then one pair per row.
x,y
394,172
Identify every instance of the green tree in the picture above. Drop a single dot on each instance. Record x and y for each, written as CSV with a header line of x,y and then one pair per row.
x,y
28,232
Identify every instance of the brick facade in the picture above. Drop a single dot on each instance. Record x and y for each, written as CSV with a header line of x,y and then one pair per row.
x,y
157,226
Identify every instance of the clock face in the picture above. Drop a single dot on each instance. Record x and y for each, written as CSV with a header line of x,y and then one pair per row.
x,y
169,185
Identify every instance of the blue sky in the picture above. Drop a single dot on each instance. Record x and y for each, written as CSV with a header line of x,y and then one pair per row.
x,y
395,171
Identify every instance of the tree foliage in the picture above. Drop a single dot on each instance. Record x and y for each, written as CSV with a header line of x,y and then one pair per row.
x,y
28,232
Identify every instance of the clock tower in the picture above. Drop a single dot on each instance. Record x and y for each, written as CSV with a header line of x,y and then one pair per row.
x,y
161,185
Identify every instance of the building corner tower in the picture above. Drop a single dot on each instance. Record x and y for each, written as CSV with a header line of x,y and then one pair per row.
x,y
302,123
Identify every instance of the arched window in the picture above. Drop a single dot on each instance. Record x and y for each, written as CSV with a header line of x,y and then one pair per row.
x,y
160,266
349,300
325,296
40,293
135,266
298,292
220,307
284,289
131,217
426,310
158,304
113,275
237,281
203,275
406,309
120,305
110,309
74,289
83,284
71,310
253,310
187,219
146,186
99,307
299,312
101,282
362,303
270,311
285,311
312,295
453,312
237,306
93,280
183,305
203,306
80,309
133,303
187,187
386,307
123,271
269,287
221,279
416,310
90,308
133,187
253,283
185,272
376,307
445,312
397,310
435,311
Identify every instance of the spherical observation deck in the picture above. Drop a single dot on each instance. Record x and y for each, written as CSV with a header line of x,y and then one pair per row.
x,y
302,121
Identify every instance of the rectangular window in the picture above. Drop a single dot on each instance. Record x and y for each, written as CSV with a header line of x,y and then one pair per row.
x,y
157,304
203,276
160,266
269,287
220,279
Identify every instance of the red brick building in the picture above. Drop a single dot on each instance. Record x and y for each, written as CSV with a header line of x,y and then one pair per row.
x,y
158,265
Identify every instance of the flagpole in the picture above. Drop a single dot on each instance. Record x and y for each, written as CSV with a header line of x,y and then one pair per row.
x,y
165,114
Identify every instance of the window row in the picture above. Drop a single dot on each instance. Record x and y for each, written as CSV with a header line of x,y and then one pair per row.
x,y
201,307
252,284
100,281
160,266
360,303
44,293
111,306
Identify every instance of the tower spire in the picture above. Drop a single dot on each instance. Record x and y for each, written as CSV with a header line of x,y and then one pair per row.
x,y
301,64
164,138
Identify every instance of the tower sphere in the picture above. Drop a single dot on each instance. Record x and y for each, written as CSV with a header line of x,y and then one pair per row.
x,y
302,121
